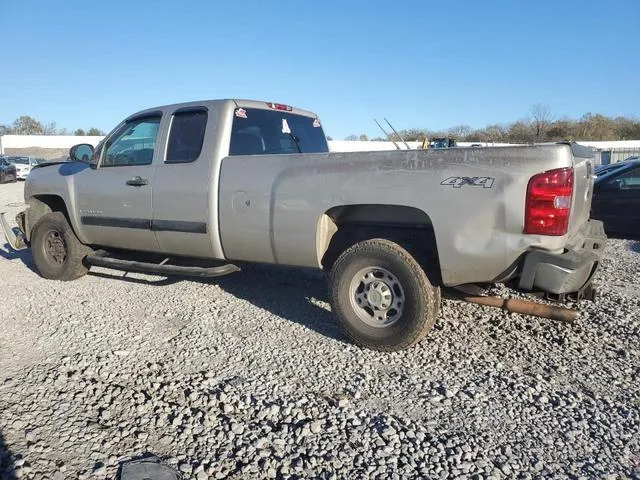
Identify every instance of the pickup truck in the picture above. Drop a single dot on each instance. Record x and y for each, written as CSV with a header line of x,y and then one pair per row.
x,y
198,188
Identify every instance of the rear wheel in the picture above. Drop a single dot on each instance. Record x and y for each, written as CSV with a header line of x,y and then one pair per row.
x,y
57,252
382,297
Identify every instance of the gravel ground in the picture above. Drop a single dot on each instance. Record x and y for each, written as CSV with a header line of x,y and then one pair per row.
x,y
247,376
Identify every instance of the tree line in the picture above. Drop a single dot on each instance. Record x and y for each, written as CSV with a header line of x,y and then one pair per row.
x,y
27,125
539,126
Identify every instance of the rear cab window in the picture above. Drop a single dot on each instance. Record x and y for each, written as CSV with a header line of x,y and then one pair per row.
x,y
186,135
258,131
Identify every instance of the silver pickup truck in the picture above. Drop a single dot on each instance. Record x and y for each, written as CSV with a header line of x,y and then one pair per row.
x,y
195,188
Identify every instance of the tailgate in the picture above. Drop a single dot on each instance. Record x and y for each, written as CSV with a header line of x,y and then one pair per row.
x,y
583,181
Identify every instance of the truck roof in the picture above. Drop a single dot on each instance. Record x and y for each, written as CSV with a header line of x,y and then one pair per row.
x,y
242,103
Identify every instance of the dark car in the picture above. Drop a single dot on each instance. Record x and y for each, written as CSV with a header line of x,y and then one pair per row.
x,y
616,198
7,171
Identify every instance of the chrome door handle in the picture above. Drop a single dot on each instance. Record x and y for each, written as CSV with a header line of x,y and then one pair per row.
x,y
137,182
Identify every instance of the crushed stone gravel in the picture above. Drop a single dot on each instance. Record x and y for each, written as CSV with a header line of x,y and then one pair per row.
x,y
248,376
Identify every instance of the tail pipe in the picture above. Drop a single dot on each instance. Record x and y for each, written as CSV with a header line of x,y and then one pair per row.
x,y
526,307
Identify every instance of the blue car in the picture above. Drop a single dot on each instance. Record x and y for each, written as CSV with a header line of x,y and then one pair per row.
x,y
616,197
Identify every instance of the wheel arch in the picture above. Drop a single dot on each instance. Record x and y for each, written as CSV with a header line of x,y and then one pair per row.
x,y
40,205
343,226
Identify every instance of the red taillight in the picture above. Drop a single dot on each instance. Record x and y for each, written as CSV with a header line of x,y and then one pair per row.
x,y
548,205
280,106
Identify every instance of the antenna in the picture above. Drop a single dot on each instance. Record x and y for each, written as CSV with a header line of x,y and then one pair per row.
x,y
399,136
386,134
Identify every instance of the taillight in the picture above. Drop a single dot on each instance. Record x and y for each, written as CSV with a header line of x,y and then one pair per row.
x,y
280,106
548,203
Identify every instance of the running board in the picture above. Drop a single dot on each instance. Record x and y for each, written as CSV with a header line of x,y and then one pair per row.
x,y
160,269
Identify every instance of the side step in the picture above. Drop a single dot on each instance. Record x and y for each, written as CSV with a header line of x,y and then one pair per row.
x,y
160,269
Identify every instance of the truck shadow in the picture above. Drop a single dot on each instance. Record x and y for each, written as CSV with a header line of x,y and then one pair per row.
x,y
292,294
7,471
9,253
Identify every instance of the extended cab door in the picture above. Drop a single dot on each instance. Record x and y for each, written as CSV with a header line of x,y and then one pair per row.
x,y
114,199
182,191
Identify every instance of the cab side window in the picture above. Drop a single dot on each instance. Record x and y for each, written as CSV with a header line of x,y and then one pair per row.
x,y
629,180
186,136
132,144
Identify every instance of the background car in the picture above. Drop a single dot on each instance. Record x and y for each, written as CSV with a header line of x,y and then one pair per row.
x,y
7,171
616,198
23,165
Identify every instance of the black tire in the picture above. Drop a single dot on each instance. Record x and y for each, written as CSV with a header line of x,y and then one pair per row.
x,y
418,301
57,252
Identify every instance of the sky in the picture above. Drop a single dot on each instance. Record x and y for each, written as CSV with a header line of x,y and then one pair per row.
x,y
420,64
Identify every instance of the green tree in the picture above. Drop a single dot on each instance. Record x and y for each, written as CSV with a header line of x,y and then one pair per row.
x,y
596,127
559,130
95,131
521,132
363,138
351,138
79,132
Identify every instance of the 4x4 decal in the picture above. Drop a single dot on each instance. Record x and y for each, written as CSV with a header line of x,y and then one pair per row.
x,y
459,182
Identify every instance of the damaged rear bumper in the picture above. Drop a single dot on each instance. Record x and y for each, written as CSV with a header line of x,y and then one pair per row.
x,y
569,272
15,236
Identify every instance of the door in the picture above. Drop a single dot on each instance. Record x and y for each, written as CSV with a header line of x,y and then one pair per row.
x,y
617,203
182,184
114,199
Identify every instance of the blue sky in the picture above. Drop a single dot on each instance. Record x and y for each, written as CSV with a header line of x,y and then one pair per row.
x,y
421,64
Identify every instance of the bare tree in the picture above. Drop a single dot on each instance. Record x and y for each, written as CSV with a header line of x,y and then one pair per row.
x,y
363,138
351,138
460,132
50,129
26,125
541,119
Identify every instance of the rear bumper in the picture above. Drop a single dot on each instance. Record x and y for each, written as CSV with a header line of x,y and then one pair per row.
x,y
568,272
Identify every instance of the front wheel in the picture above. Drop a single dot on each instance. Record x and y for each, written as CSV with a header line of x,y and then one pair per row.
x,y
57,252
382,297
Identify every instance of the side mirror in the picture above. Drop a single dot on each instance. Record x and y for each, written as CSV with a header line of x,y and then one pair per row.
x,y
81,152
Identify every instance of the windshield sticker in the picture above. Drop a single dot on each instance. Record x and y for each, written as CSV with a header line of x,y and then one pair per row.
x,y
316,123
285,126
241,113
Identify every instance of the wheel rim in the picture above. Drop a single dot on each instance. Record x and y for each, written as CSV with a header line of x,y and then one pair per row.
x,y
377,297
54,248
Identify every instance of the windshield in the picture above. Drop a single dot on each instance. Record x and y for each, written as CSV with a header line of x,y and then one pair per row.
x,y
19,160
262,132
